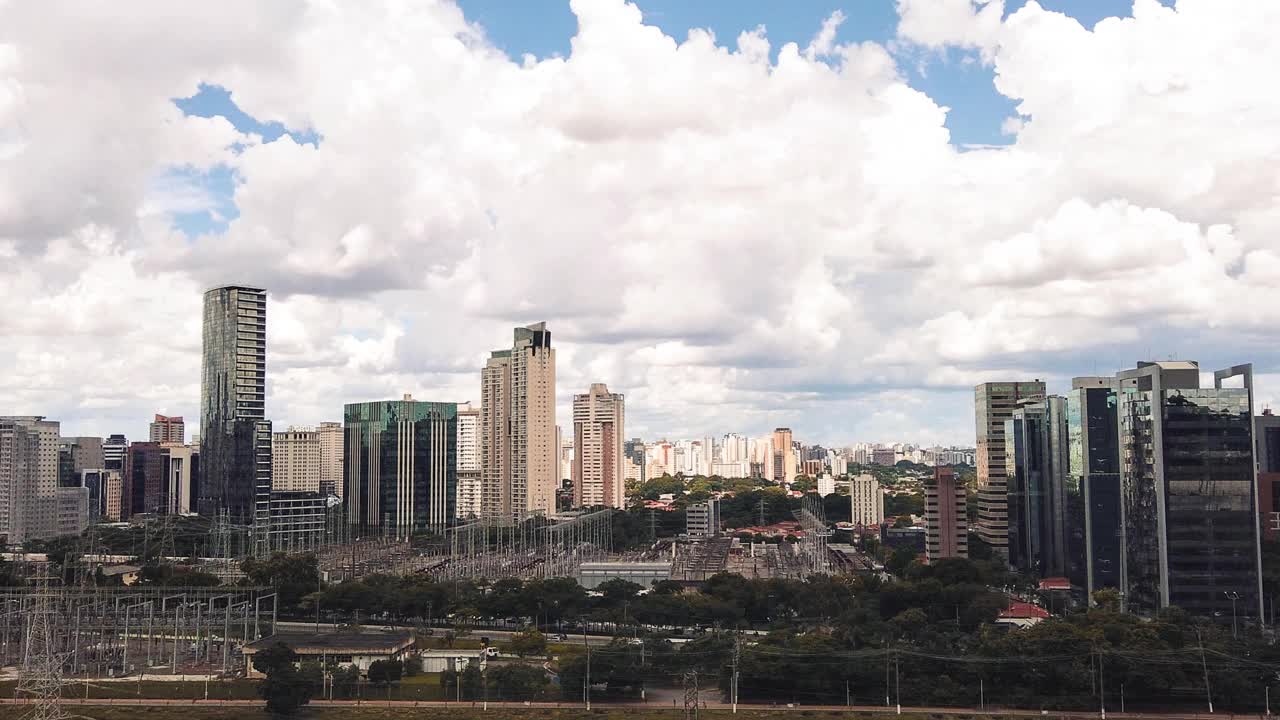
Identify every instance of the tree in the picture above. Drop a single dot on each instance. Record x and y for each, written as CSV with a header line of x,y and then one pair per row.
x,y
382,672
518,682
284,688
529,642
292,576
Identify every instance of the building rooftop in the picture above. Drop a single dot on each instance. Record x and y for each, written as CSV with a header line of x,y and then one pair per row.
x,y
340,641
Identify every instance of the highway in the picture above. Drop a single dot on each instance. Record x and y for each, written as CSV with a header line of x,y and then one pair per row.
x,y
654,708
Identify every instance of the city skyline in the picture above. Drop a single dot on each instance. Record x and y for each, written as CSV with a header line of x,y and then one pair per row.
x,y
950,204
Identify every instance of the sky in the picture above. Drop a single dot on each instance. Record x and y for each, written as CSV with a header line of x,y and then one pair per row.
x,y
833,216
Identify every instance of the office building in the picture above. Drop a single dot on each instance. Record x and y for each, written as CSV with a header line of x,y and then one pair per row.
x,y
295,461
783,456
235,436
159,479
866,500
72,511
1092,494
75,455
1266,435
330,458
599,475
469,481
299,520
702,520
994,403
165,429
635,452
114,448
1036,479
1188,483
98,483
946,517
887,457
400,466
518,427
28,478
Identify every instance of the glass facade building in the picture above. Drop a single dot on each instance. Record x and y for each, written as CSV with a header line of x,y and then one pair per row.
x,y
1092,492
994,403
1189,492
235,436
1035,468
400,466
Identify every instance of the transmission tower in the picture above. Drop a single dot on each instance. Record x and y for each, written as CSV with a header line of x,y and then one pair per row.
x,y
691,696
40,680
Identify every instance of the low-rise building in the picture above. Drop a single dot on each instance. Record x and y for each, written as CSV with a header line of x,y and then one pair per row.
x,y
346,648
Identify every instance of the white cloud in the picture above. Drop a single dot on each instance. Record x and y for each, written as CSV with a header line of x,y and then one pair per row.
x,y
733,242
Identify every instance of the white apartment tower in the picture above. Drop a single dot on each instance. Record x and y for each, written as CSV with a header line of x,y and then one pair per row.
x,y
518,427
331,450
599,477
469,494
28,478
867,501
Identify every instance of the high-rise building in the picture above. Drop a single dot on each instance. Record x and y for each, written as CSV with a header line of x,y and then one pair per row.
x,y
783,456
400,466
1266,438
994,403
1036,473
866,500
599,475
159,479
703,519
235,436
82,453
330,458
469,487
28,478
1188,484
295,461
946,517
168,429
636,462
518,427
114,449
826,484
1094,530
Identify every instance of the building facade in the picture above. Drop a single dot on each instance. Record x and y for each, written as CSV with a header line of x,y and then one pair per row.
x,y
783,456
1188,488
702,519
330,458
1094,533
1036,478
994,404
599,473
159,479
400,466
168,429
114,449
235,436
866,499
28,478
469,505
946,517
518,427
296,461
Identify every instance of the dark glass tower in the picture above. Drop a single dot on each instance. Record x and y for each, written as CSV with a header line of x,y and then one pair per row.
x,y
235,436
1094,532
1035,460
1189,491
400,466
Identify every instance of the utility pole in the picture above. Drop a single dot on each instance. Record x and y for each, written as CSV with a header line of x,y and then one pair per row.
x,y
897,683
1205,666
737,654
586,684
1102,687
691,695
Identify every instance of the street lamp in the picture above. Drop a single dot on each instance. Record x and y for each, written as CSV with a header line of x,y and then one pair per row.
x,y
1234,597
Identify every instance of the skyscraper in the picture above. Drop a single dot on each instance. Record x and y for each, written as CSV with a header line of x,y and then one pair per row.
x,y
159,478
1188,486
235,436
994,403
330,458
783,457
400,466
866,501
168,429
946,517
114,449
1036,473
28,477
1092,495
599,477
518,427
469,487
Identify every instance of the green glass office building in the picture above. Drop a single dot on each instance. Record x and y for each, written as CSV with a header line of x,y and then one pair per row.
x,y
400,471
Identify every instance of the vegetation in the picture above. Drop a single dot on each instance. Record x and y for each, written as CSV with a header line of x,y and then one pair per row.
x,y
285,688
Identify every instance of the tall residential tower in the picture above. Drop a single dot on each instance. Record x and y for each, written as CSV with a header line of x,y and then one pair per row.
x,y
599,476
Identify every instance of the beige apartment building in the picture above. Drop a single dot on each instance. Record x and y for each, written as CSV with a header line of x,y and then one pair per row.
x,y
518,427
783,467
295,460
599,475
330,457
469,503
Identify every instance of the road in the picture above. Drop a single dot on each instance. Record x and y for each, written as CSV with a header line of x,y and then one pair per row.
x,y
572,639
653,707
